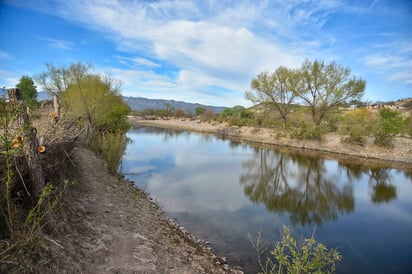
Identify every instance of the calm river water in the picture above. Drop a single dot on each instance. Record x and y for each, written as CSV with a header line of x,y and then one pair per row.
x,y
223,191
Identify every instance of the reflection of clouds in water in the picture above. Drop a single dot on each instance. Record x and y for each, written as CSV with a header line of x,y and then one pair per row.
x,y
403,185
140,169
207,190
395,212
139,152
198,184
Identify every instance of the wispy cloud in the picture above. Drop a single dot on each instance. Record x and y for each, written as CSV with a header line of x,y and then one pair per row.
x,y
195,41
393,60
137,62
57,43
8,79
177,49
5,56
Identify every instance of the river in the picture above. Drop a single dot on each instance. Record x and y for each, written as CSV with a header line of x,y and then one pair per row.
x,y
225,192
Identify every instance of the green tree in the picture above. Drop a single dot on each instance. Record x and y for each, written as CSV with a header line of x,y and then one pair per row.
x,y
96,99
325,86
390,124
199,111
277,90
28,89
55,80
235,111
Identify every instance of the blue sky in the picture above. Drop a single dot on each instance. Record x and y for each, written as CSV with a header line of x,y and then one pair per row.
x,y
208,51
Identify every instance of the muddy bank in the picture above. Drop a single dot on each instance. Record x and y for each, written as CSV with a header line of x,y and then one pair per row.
x,y
106,225
400,156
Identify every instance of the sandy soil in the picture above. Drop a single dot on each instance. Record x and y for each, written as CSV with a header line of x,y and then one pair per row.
x,y
400,156
109,226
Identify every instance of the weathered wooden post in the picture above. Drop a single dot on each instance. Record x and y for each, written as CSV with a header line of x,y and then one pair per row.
x,y
56,112
33,162
31,145
15,94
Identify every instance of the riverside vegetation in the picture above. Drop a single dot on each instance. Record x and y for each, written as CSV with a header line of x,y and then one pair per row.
x,y
306,104
88,110
33,183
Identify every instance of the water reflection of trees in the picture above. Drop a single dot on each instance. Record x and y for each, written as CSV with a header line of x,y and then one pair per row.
x,y
380,182
379,179
297,185
168,133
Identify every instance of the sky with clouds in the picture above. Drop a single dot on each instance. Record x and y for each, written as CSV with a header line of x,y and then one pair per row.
x,y
208,51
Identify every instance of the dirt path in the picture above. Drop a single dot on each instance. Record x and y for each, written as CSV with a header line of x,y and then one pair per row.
x,y
111,227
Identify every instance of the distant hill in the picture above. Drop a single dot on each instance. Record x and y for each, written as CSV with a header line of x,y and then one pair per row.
x,y
41,95
139,103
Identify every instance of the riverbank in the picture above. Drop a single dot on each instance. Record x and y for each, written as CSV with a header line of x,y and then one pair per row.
x,y
106,225
399,156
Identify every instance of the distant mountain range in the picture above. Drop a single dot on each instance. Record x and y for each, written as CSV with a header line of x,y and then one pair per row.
x,y
139,103
41,95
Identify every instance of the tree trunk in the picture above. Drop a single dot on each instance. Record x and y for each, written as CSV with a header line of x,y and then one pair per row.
x,y
56,112
32,157
15,95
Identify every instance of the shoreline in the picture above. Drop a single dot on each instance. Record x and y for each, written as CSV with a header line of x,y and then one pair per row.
x,y
330,147
108,225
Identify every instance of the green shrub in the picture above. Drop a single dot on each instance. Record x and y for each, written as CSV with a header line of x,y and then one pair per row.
x,y
356,125
390,124
112,147
287,256
307,132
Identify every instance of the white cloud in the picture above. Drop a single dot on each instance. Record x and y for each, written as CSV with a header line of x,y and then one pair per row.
x,y
8,79
200,47
57,43
5,56
402,76
137,62
393,60
179,49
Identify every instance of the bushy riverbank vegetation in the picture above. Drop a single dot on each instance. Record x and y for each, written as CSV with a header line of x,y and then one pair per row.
x,y
307,103
35,147
353,123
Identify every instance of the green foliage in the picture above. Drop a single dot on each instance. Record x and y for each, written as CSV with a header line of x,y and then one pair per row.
x,y
112,146
287,256
55,80
357,124
324,86
277,90
307,132
239,116
115,118
232,112
28,89
200,111
96,100
390,124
